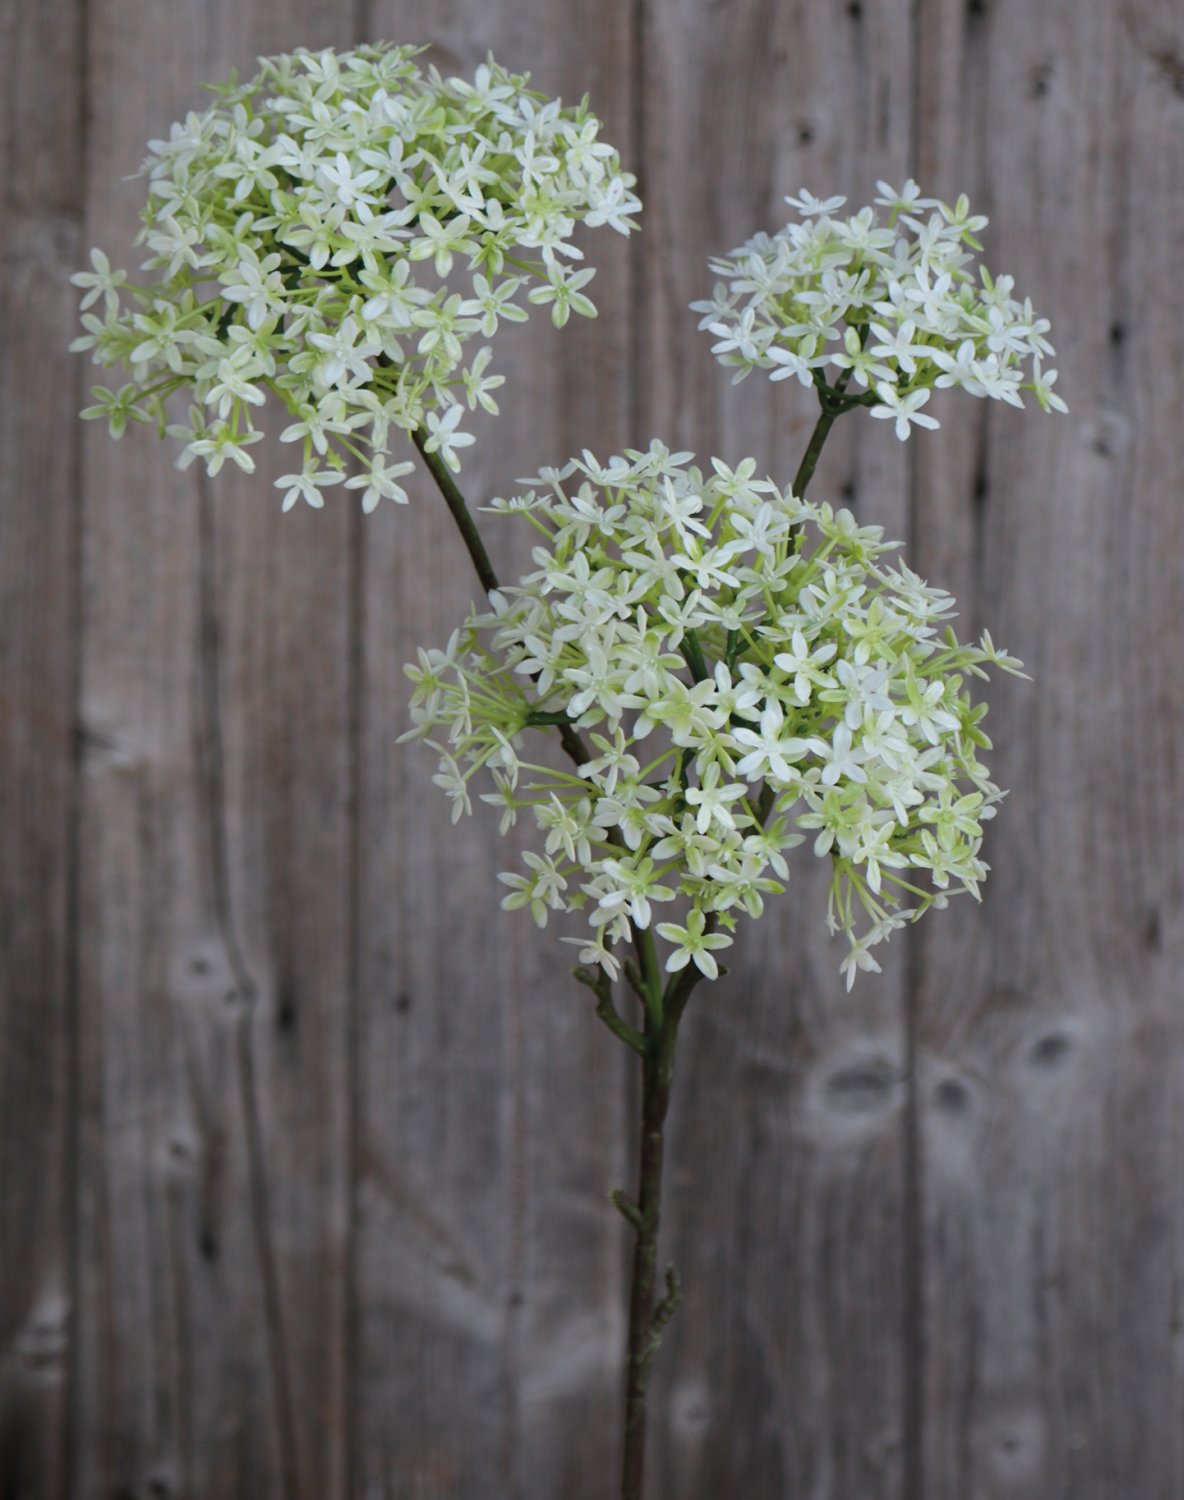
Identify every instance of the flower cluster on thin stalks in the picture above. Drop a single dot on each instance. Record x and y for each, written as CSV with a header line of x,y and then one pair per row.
x,y
345,233
890,308
739,670
748,670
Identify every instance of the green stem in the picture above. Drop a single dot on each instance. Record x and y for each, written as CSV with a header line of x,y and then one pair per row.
x,y
692,653
601,986
539,718
643,1314
818,437
577,752
455,501
651,974
834,401
648,1314
663,1008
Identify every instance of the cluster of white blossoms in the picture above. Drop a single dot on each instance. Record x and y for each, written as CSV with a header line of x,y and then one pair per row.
x,y
346,233
892,307
745,670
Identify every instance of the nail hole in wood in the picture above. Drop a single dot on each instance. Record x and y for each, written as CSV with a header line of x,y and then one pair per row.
x,y
1171,65
862,1087
952,1096
1051,1050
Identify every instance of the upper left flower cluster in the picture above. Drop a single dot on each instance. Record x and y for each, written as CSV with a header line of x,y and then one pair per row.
x,y
336,232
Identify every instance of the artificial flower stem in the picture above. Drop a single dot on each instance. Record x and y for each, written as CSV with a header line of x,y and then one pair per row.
x,y
693,655
834,402
602,987
573,745
818,437
656,1048
577,751
460,511
646,1319
647,956
538,718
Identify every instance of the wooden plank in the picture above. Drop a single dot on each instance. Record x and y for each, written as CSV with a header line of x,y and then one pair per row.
x,y
221,666
39,447
785,1372
215,923
1051,1035
490,1293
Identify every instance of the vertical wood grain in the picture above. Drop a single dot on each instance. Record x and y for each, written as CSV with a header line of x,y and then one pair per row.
x,y
489,1260
216,882
337,1221
1051,1034
785,1373
39,445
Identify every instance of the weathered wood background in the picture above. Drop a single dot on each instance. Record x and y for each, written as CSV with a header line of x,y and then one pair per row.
x,y
303,1145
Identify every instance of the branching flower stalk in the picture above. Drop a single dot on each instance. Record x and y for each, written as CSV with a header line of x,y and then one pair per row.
x,y
789,680
731,668
661,1004
662,1009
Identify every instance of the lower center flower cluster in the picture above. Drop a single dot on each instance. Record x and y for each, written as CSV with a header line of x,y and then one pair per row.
x,y
735,671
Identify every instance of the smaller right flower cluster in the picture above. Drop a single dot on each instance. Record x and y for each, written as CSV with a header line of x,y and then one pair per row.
x,y
891,307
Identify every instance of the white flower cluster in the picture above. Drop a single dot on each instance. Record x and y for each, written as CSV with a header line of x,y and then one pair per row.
x,y
745,670
335,232
891,306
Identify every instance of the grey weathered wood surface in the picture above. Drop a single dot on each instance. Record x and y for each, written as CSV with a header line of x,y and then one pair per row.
x,y
39,608
304,1146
